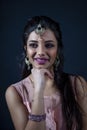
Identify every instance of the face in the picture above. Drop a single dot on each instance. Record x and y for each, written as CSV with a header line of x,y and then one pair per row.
x,y
42,49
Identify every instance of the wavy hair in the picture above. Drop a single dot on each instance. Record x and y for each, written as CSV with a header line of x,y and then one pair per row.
x,y
70,108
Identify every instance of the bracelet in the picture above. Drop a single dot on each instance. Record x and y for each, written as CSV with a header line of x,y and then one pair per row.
x,y
37,118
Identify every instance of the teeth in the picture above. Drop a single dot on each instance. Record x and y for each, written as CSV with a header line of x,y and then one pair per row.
x,y
41,59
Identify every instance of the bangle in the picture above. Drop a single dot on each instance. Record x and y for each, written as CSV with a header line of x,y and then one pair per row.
x,y
37,118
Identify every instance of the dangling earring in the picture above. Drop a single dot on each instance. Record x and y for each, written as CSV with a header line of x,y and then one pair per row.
x,y
27,62
57,62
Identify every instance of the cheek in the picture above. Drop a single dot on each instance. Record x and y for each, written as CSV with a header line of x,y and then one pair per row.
x,y
30,53
54,54
29,50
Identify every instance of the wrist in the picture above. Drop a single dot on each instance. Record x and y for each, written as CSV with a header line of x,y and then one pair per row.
x,y
37,118
39,92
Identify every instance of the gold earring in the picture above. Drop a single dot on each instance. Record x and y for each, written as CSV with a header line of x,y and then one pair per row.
x,y
27,62
57,62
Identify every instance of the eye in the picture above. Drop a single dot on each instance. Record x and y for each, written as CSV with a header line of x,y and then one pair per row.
x,y
33,45
49,45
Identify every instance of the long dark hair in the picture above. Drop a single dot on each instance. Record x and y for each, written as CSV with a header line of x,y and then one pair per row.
x,y
70,108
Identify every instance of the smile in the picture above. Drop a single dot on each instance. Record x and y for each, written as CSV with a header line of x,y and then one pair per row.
x,y
41,60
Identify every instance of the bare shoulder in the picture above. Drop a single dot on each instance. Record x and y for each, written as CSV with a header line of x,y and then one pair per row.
x,y
79,84
81,80
12,95
17,109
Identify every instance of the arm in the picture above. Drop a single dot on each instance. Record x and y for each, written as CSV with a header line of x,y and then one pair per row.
x,y
81,88
19,112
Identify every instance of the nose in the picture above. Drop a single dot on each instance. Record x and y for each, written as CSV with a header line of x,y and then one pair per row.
x,y
41,50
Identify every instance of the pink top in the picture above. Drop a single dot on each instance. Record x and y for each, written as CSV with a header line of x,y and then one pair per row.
x,y
53,110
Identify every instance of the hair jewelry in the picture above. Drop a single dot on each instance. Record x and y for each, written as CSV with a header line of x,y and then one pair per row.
x,y
40,30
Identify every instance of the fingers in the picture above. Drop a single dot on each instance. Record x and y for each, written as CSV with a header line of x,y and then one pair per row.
x,y
49,74
43,71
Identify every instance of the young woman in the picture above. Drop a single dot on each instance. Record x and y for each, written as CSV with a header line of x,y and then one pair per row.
x,y
46,98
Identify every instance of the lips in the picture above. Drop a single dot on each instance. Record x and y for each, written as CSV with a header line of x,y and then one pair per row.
x,y
41,60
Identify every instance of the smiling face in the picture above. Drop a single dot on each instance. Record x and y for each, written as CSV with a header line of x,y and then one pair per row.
x,y
42,49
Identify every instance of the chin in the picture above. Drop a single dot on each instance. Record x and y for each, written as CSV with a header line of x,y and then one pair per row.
x,y
43,67
40,67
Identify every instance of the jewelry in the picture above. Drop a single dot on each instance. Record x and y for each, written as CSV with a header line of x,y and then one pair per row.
x,y
40,30
27,62
57,62
37,118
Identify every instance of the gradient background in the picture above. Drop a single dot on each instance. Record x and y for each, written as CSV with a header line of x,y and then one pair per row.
x,y
72,16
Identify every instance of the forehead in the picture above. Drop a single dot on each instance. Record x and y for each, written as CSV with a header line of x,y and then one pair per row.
x,y
48,35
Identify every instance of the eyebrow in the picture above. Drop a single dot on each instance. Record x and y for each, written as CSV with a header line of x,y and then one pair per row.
x,y
50,41
34,41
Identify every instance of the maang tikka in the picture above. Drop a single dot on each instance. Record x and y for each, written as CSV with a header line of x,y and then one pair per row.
x,y
40,30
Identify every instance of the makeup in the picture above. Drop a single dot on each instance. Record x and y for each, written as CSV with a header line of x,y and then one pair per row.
x,y
41,61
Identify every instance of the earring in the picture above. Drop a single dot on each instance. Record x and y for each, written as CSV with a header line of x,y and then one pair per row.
x,y
27,62
57,62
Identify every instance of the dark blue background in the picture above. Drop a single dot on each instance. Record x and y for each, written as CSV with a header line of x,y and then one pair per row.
x,y
72,16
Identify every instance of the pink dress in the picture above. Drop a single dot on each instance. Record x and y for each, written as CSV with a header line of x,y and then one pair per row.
x,y
53,110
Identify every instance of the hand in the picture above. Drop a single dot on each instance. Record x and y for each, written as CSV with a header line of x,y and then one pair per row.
x,y
40,76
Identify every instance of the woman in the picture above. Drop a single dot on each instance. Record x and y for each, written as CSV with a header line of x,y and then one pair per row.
x,y
46,98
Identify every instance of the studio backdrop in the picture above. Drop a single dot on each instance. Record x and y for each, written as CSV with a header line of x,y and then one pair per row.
x,y
72,16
